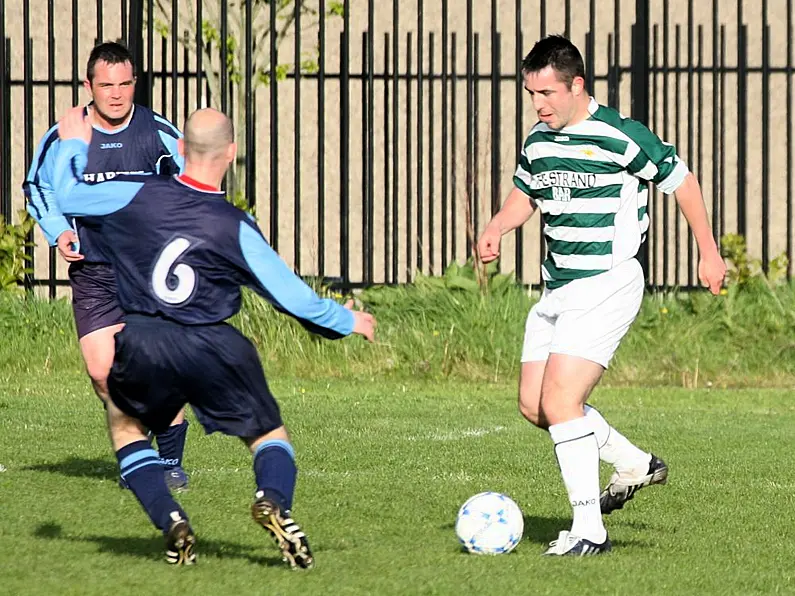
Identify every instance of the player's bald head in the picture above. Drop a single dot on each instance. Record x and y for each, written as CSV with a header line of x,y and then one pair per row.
x,y
208,134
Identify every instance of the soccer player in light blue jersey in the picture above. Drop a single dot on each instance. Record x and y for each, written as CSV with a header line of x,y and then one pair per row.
x,y
177,284
127,138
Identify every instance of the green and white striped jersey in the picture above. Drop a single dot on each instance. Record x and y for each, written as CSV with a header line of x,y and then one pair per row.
x,y
590,182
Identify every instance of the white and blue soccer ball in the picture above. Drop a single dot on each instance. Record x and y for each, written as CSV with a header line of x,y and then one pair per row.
x,y
489,524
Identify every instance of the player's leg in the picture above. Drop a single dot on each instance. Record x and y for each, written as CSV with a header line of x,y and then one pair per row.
x,y
231,395
614,448
171,448
98,317
141,469
275,473
598,313
619,295
530,376
97,348
145,394
633,468
539,331
568,381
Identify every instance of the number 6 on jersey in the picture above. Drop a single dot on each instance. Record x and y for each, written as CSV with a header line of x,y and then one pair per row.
x,y
162,274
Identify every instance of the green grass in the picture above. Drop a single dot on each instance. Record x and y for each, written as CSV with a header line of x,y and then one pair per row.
x,y
384,466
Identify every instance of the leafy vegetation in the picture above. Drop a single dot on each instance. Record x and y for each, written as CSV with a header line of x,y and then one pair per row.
x,y
14,261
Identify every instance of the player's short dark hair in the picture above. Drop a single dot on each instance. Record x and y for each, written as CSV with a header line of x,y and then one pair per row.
x,y
111,52
559,53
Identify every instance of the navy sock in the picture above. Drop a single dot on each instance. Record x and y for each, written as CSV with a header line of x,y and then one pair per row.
x,y
143,472
171,444
275,471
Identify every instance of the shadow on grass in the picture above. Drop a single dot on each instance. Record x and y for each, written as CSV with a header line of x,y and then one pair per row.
x,y
543,530
152,547
537,529
80,467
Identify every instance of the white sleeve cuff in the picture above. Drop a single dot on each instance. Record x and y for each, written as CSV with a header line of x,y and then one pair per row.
x,y
674,180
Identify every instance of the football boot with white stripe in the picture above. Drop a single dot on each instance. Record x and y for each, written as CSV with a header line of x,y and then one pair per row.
x,y
180,542
622,487
568,545
288,535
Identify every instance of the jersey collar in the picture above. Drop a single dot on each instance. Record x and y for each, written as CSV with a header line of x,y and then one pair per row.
x,y
196,185
115,130
593,105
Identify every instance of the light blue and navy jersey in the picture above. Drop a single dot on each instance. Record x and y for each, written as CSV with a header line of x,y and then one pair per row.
x,y
183,252
147,144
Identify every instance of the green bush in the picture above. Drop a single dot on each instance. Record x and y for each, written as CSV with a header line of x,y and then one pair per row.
x,y
14,263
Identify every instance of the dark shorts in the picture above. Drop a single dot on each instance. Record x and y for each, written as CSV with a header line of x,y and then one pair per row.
x,y
161,365
94,298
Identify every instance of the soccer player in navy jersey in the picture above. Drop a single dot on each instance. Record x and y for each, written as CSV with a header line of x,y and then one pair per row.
x,y
178,282
127,138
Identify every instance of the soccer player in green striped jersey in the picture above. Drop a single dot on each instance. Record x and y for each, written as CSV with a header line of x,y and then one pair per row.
x,y
586,168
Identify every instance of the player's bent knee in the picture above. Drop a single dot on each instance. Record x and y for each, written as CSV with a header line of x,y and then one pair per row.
x,y
98,349
99,374
531,413
277,434
530,392
558,406
530,405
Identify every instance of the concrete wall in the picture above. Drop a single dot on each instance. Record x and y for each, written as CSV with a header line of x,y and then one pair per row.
x,y
692,129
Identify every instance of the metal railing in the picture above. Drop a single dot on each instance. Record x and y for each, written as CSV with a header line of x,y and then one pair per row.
x,y
390,163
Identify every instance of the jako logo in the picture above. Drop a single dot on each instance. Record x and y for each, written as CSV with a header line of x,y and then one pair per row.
x,y
111,146
585,503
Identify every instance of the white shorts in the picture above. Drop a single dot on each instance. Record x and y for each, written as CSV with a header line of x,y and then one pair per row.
x,y
587,317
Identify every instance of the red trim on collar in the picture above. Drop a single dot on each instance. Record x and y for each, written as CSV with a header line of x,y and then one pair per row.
x,y
196,184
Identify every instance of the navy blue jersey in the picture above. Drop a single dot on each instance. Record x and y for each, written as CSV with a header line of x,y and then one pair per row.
x,y
147,144
183,253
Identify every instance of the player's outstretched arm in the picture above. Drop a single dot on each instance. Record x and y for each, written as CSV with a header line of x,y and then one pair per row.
x,y
711,267
287,292
516,210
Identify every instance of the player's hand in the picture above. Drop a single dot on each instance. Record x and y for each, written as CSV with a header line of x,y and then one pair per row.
x,y
67,243
711,271
489,243
363,322
74,125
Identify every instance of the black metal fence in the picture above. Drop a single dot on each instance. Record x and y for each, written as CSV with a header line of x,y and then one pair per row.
x,y
398,172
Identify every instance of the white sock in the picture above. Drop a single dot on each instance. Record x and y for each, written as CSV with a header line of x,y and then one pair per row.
x,y
615,448
578,458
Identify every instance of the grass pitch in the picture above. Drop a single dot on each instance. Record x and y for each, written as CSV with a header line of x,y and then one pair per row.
x,y
383,468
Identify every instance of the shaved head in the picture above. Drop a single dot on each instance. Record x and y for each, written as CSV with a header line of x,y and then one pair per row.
x,y
208,134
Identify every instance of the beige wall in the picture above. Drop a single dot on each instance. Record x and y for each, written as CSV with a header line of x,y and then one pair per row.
x,y
510,55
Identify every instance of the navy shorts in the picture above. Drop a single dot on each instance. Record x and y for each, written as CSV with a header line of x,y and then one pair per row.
x,y
161,365
94,298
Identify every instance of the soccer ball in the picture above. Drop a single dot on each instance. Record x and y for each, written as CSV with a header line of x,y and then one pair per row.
x,y
489,524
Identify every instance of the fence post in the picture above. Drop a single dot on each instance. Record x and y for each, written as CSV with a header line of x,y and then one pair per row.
x,y
5,164
640,89
640,62
136,45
